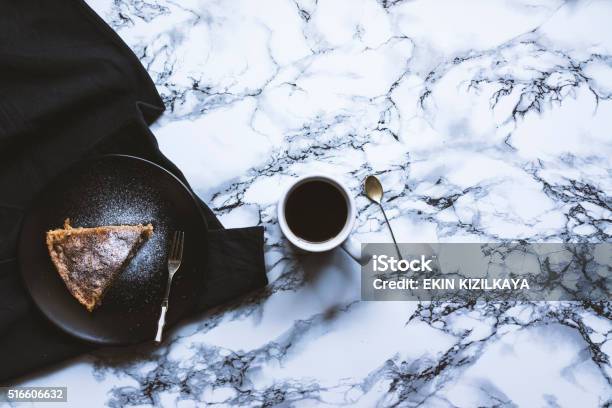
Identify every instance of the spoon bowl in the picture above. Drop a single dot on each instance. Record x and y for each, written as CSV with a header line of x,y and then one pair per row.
x,y
373,189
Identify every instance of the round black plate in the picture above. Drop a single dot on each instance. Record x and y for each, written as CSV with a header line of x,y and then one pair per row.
x,y
113,190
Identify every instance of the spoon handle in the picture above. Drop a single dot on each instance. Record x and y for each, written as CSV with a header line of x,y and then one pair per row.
x,y
391,230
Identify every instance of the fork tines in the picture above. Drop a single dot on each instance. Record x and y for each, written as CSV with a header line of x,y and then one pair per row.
x,y
176,251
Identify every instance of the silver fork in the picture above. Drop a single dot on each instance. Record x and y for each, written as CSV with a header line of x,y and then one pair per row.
x,y
174,263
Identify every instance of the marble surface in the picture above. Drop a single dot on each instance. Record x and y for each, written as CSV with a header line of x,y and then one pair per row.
x,y
486,121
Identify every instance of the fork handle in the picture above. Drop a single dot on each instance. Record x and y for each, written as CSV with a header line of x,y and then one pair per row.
x,y
161,322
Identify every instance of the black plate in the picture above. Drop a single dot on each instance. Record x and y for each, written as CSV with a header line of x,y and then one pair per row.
x,y
113,190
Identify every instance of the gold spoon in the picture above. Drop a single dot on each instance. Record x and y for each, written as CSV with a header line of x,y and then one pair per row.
x,y
374,192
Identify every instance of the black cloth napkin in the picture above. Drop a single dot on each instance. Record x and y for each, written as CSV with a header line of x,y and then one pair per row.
x,y
70,89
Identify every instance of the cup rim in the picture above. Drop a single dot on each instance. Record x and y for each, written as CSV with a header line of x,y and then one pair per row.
x,y
317,246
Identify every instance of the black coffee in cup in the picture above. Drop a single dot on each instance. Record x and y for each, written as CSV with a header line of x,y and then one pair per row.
x,y
316,210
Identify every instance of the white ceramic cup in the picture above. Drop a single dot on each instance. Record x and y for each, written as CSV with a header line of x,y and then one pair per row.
x,y
343,238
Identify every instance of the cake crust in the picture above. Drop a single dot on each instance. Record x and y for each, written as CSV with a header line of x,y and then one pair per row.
x,y
89,259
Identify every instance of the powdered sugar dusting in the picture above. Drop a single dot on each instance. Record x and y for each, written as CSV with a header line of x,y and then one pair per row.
x,y
125,195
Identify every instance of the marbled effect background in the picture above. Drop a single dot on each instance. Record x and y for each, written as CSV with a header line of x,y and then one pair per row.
x,y
485,120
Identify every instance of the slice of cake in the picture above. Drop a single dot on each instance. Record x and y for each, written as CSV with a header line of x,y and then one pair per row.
x,y
89,259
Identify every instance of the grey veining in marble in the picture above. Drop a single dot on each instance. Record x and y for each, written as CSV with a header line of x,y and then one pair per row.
x,y
485,120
